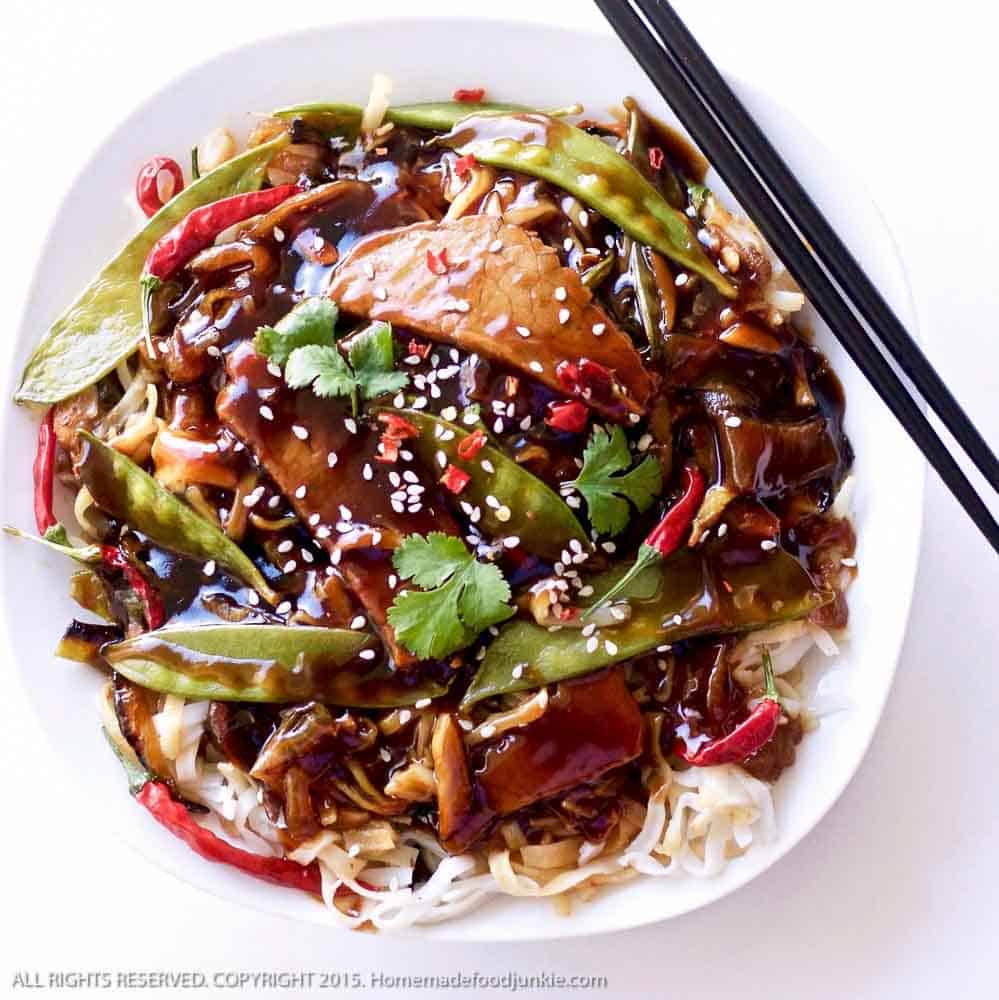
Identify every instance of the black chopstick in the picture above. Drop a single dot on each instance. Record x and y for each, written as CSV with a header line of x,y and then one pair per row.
x,y
702,74
658,63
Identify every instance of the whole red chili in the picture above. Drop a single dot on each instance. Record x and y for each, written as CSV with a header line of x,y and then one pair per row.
x,y
464,163
656,157
471,96
472,445
152,192
167,811
116,558
199,228
455,479
43,473
569,416
749,736
666,537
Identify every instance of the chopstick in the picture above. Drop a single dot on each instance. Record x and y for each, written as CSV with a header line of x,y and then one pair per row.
x,y
649,30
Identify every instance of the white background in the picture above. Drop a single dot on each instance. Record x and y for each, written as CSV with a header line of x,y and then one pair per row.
x,y
894,895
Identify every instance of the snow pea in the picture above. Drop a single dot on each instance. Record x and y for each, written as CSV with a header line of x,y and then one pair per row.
x,y
598,175
264,663
688,595
338,119
130,494
104,325
537,514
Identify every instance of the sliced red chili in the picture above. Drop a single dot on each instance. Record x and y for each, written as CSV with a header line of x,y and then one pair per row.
x,y
569,416
116,558
656,157
473,95
472,445
199,228
464,164
455,479
152,191
398,427
420,350
43,473
168,812
584,376
437,262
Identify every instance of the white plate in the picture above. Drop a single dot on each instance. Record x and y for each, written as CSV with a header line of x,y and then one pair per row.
x,y
428,58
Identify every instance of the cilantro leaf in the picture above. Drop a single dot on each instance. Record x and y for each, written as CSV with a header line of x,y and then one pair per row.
x,y
322,367
606,493
312,321
461,596
372,357
698,194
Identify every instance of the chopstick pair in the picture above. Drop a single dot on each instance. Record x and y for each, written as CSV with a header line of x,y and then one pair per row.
x,y
772,197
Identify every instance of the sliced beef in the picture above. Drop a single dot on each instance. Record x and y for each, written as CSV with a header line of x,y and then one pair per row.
x,y
496,290
295,436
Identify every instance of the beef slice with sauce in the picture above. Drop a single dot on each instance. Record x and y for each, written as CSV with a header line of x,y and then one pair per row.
x,y
591,725
271,420
503,295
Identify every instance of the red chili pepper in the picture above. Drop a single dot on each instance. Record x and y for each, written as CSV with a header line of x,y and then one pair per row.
x,y
152,606
43,473
473,95
583,376
147,185
666,537
396,429
199,228
748,737
455,479
437,262
569,416
472,445
656,157
420,350
168,812
464,164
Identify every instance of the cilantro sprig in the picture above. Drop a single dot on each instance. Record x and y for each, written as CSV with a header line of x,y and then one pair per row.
x,y
304,343
460,596
606,492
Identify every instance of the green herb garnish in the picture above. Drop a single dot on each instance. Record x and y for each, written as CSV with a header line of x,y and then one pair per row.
x,y
607,493
460,596
304,342
698,194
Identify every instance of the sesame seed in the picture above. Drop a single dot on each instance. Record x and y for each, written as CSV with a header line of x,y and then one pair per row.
x,y
563,316
645,442
278,234
332,459
487,466
422,703
404,716
367,471
518,671
598,329
384,754
561,293
680,281
406,456
677,620
664,648
584,218
618,614
722,530
567,244
393,580
611,647
592,643
300,432
466,724
633,418
290,566
358,622
307,555
849,561
346,513
536,366
420,403
609,547
351,424
449,413
523,331
511,542
273,369
498,425
487,732
253,597
367,654
733,421
323,531
286,546
462,306
300,492
283,608
767,544
491,501
410,476
399,401
209,568
314,519
251,499
573,501
469,418
266,412
503,513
